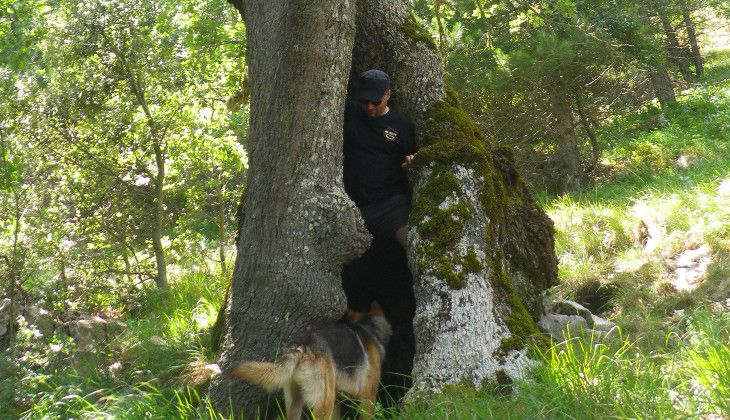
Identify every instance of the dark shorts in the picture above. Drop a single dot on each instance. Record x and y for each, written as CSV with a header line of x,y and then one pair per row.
x,y
385,217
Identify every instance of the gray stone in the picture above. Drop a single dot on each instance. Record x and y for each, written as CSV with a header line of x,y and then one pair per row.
x,y
690,268
604,327
93,332
41,319
602,324
4,316
568,307
115,327
558,325
89,333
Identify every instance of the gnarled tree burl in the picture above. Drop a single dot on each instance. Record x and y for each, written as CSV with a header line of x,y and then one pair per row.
x,y
480,250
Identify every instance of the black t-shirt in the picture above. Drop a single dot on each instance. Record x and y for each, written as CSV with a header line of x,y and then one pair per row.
x,y
374,149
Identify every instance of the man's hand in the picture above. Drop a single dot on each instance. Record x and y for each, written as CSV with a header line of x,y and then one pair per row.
x,y
407,161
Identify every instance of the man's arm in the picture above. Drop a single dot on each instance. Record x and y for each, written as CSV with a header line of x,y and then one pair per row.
x,y
409,146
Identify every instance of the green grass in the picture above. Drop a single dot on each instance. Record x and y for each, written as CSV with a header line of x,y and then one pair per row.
x,y
648,208
589,378
137,375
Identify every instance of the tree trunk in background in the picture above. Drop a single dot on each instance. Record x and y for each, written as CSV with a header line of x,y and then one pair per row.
x,y
692,37
159,222
442,36
586,122
480,249
662,86
676,53
299,226
563,128
220,195
122,238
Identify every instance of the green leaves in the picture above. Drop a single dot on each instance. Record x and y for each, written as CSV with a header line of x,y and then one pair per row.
x,y
113,111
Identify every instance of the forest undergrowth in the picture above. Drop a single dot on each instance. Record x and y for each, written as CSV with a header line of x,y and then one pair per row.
x,y
663,193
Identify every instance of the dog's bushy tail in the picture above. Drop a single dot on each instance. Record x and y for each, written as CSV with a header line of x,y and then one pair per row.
x,y
270,376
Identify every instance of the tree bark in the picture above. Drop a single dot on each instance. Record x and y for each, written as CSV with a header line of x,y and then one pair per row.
x,y
157,135
442,35
159,221
563,129
675,51
299,226
662,86
590,132
220,195
480,249
692,37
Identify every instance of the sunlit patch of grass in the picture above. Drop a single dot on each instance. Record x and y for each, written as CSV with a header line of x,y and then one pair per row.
x,y
460,402
717,67
678,221
706,357
670,193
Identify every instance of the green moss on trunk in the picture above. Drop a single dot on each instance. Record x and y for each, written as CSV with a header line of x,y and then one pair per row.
x,y
415,31
450,140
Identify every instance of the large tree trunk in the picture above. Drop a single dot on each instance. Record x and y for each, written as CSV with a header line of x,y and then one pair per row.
x,y
299,226
480,249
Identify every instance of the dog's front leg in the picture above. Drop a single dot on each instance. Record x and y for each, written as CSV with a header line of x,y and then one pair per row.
x,y
293,401
367,402
324,409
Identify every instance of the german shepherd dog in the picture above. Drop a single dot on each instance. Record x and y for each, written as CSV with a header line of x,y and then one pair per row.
x,y
344,356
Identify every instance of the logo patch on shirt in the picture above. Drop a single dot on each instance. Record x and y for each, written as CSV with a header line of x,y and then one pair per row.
x,y
390,133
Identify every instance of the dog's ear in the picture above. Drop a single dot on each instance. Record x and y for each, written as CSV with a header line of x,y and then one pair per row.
x,y
354,316
375,309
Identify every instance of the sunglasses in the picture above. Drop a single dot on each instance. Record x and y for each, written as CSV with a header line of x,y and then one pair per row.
x,y
365,102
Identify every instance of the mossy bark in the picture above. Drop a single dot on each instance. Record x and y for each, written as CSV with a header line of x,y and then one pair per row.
x,y
480,249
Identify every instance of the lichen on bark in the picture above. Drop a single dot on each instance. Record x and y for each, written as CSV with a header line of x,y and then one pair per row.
x,y
466,196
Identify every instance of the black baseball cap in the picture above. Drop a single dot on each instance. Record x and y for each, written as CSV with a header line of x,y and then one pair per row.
x,y
372,85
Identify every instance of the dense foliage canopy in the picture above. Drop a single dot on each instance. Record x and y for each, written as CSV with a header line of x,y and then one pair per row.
x,y
123,133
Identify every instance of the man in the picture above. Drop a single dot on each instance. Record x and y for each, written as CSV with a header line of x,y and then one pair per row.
x,y
378,143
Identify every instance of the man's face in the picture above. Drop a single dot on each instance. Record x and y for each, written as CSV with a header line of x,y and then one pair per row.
x,y
374,110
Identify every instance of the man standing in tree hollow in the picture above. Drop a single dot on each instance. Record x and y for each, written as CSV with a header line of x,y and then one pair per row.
x,y
378,144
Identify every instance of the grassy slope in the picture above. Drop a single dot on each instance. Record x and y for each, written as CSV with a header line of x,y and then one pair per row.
x,y
665,364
